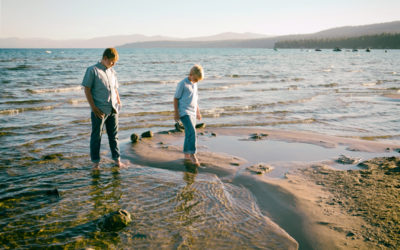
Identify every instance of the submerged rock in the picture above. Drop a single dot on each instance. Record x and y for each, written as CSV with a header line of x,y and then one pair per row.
x,y
179,127
115,221
257,136
51,157
147,134
347,160
134,138
201,125
260,168
53,192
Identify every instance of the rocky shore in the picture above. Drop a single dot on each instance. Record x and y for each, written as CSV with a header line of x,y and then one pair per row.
x,y
371,193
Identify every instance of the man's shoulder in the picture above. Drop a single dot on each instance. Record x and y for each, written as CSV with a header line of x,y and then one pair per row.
x,y
94,67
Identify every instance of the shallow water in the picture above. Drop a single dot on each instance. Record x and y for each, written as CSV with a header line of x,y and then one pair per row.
x,y
45,127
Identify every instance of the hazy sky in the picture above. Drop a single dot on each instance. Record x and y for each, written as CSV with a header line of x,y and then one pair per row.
x,y
68,19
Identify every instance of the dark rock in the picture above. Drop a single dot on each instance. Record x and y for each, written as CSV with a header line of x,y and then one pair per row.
x,y
347,160
260,168
53,192
134,138
147,134
139,236
257,136
179,127
52,157
201,125
213,134
115,221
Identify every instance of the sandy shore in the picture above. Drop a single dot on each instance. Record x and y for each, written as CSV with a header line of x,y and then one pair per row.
x,y
319,206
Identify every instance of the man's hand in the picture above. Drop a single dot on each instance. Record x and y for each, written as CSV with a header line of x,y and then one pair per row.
x,y
97,112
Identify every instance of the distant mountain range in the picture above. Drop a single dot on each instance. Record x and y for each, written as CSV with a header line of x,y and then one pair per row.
x,y
115,41
223,40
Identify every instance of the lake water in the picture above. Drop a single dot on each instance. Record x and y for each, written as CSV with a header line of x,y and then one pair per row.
x,y
45,128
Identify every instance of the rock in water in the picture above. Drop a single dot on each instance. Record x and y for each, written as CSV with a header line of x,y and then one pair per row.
x,y
347,160
116,220
147,134
257,136
260,168
134,138
201,125
179,127
53,192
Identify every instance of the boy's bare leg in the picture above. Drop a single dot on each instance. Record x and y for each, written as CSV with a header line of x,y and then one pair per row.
x,y
187,157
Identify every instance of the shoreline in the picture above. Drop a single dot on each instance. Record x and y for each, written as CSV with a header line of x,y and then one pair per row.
x,y
302,201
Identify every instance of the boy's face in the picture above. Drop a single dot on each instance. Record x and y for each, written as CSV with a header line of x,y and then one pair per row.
x,y
194,78
109,62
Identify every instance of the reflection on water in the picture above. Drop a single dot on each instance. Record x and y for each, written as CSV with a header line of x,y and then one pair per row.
x,y
169,210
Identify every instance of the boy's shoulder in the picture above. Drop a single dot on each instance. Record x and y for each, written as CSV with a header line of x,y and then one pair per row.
x,y
184,81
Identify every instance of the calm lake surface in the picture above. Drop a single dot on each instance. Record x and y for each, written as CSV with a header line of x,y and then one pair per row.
x,y
45,129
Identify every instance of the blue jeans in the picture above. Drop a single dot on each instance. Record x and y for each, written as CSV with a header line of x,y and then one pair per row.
x,y
189,145
111,123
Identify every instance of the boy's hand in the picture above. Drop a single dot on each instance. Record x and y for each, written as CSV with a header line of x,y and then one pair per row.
x,y
176,117
199,116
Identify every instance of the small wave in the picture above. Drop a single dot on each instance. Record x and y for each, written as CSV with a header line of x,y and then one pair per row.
x,y
328,85
76,101
162,113
225,87
21,67
56,90
261,124
20,110
25,102
369,84
150,82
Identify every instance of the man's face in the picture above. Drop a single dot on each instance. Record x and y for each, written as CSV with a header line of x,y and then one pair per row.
x,y
109,62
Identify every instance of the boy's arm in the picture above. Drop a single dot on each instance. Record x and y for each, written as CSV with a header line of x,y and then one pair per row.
x,y
176,112
198,113
97,112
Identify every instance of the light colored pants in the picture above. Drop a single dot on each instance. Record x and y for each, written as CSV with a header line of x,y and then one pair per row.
x,y
189,145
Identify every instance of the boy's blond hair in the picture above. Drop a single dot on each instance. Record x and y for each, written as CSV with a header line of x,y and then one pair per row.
x,y
198,71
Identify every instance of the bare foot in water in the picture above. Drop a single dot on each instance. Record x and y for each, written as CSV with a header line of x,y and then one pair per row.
x,y
194,160
96,166
119,164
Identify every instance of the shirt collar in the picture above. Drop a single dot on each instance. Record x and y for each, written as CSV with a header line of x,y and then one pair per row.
x,y
101,66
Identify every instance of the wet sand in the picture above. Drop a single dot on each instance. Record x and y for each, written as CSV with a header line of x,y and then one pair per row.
x,y
318,202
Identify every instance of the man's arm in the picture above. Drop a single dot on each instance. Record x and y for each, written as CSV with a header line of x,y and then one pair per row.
x,y
97,112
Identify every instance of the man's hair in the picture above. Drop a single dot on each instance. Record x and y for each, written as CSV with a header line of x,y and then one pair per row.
x,y
198,71
111,53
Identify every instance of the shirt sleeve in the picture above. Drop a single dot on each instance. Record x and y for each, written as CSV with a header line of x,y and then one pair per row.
x,y
116,79
179,90
88,79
